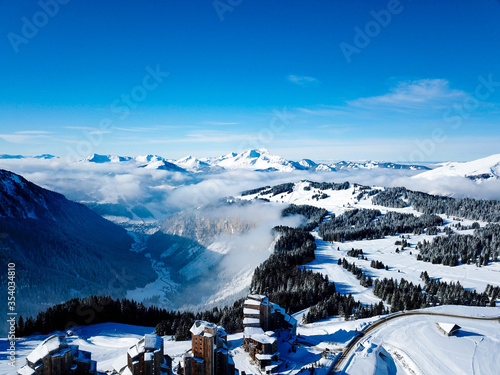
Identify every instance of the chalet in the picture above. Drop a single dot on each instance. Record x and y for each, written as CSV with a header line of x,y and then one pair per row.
x,y
209,353
54,356
448,328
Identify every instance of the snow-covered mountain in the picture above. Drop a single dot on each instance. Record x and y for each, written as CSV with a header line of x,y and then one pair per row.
x,y
99,159
42,156
193,164
62,248
141,161
476,170
253,159
258,159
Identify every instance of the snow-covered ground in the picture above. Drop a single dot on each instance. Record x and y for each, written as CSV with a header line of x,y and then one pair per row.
x,y
401,265
409,345
415,345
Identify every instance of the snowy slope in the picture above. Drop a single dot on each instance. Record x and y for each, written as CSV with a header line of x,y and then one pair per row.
x,y
414,345
477,170
401,265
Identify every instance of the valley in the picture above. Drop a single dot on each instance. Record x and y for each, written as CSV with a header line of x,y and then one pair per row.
x,y
208,255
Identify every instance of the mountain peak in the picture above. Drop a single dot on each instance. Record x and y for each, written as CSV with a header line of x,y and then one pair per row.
x,y
148,158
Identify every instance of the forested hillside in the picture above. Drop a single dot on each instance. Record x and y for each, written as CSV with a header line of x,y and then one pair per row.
x,y
61,248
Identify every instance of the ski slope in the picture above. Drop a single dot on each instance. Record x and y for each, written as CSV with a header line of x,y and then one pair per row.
x,y
415,345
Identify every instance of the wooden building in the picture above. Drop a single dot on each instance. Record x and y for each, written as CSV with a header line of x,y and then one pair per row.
x,y
209,351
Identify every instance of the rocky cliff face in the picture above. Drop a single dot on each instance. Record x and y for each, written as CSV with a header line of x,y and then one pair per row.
x,y
204,226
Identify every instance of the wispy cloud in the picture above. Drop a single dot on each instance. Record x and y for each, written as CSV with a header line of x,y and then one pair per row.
x,y
304,81
425,97
413,94
25,136
33,132
79,127
219,123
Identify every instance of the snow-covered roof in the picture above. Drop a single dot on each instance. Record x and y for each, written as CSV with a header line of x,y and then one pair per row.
x,y
47,346
449,328
264,357
247,311
148,356
252,302
120,364
134,351
257,334
26,370
152,341
270,368
251,321
200,325
250,331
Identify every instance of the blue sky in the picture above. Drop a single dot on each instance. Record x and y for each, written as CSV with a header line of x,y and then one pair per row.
x,y
390,80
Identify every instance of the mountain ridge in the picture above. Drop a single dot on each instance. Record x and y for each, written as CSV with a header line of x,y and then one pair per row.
x,y
259,159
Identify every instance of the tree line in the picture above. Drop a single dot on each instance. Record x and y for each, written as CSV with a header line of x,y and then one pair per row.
x,y
468,208
103,309
405,295
479,248
360,224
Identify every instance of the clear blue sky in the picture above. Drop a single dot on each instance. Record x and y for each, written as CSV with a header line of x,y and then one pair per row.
x,y
410,90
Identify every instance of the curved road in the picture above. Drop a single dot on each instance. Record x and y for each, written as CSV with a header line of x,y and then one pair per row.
x,y
348,351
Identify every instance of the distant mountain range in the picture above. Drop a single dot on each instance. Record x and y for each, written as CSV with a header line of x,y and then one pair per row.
x,y
43,156
255,159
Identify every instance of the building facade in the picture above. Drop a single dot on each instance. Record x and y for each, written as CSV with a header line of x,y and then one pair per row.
x,y
261,318
209,353
258,311
146,358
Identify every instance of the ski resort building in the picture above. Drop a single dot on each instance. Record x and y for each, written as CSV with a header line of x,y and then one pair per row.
x,y
209,353
258,311
448,328
260,319
55,357
146,358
